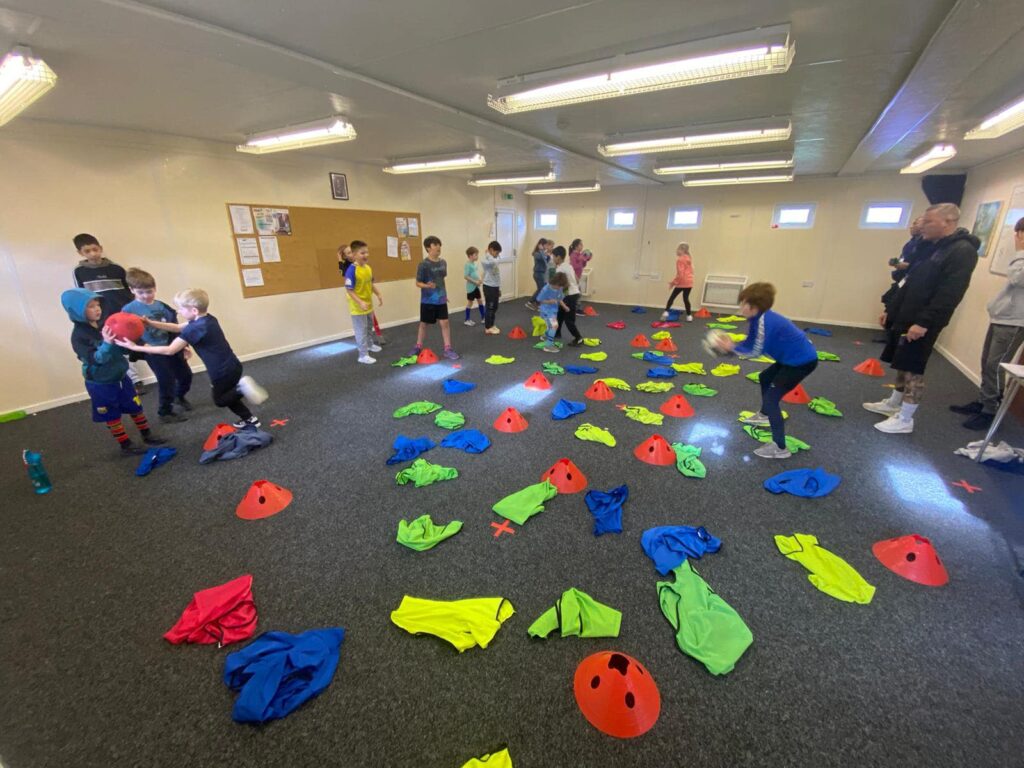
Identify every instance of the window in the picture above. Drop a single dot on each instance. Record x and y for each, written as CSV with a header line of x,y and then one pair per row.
x,y
545,219
684,217
622,218
885,215
794,216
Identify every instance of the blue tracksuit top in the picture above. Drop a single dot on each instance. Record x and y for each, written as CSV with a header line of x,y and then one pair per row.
x,y
774,335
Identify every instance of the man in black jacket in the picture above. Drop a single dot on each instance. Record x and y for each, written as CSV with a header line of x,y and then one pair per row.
x,y
920,308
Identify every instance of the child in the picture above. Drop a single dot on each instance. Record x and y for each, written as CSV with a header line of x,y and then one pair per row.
x,y
540,270
203,332
104,369
473,282
430,275
344,259
173,375
550,301
567,316
683,281
360,287
491,286
578,258
795,357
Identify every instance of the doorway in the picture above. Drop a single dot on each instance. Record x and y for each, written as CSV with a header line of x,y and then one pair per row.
x,y
505,233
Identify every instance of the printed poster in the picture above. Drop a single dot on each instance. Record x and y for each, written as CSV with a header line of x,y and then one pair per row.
x,y
270,250
414,227
252,278
392,247
406,256
272,221
402,226
241,219
248,251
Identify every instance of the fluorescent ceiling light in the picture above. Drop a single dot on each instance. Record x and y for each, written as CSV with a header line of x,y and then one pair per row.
x,y
714,181
521,177
698,138
565,189
437,163
937,155
1009,118
330,130
725,166
23,80
746,54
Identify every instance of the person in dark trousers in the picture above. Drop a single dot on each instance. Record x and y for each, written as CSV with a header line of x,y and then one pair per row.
x,y
920,308
567,314
491,286
540,271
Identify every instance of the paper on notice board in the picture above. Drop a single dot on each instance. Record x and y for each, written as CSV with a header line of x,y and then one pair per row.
x,y
270,250
402,226
248,251
414,227
241,219
252,278
406,256
272,221
392,247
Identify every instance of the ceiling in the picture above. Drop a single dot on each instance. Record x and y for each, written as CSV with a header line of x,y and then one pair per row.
x,y
873,83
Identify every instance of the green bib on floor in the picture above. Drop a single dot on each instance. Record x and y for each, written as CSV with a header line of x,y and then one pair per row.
x,y
824,406
699,390
577,614
661,335
616,384
542,344
725,369
522,505
755,377
643,415
553,369
828,356
422,473
540,326
422,534
500,759
597,357
449,419
592,342
420,408
764,435
404,361
595,434
762,359
731,319
499,360
463,623
828,572
655,386
722,326
688,460
697,369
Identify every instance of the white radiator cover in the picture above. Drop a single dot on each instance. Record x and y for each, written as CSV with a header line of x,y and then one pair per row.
x,y
586,281
723,290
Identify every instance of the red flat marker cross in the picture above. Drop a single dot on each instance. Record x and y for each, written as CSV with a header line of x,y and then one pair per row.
x,y
967,486
278,422
502,528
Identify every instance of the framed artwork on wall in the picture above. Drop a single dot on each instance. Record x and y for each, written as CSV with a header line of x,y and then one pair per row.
x,y
1002,237
339,186
985,223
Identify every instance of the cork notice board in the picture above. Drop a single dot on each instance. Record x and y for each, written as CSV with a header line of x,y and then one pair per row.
x,y
288,249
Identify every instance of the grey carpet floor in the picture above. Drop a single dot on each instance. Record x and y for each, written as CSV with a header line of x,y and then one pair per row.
x,y
93,574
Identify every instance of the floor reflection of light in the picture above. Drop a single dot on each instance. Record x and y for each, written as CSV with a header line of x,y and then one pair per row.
x,y
710,436
329,350
430,372
923,487
519,396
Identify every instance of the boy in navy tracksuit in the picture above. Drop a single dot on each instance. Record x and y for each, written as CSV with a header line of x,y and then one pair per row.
x,y
105,371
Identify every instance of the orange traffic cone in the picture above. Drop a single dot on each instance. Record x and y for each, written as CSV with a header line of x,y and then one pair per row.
x,y
599,391
589,311
666,345
215,435
870,367
702,313
426,357
517,333
677,406
913,557
565,476
510,420
655,450
537,380
797,395
263,500
640,341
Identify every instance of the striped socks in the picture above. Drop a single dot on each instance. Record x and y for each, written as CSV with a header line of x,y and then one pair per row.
x,y
117,430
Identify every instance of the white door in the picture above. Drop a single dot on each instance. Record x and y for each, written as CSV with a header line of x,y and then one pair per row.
x,y
505,230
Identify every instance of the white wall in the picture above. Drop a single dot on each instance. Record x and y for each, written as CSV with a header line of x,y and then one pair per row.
x,y
157,202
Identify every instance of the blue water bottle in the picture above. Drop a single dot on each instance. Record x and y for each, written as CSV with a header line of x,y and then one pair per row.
x,y
36,471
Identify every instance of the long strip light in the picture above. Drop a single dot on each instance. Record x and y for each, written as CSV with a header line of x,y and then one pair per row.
x,y
316,133
715,181
566,188
23,80
746,54
523,177
999,123
440,163
699,138
726,166
937,155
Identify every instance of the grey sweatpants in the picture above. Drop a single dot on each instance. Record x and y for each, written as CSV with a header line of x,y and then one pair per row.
x,y
362,325
1001,342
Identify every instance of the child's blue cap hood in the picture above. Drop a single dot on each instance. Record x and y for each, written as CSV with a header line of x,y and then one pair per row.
x,y
75,300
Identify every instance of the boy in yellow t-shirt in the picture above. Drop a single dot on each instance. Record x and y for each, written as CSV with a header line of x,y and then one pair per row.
x,y
359,286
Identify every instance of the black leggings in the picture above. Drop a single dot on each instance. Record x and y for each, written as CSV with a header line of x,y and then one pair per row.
x,y
568,318
686,298
226,394
776,381
491,296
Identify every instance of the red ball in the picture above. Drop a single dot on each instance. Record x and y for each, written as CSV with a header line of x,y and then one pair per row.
x,y
125,325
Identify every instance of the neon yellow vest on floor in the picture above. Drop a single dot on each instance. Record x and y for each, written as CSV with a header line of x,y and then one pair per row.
x,y
463,623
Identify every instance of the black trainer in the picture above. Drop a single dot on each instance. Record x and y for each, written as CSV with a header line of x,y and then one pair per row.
x,y
152,439
967,409
172,418
979,421
576,342
131,449
252,422
185,404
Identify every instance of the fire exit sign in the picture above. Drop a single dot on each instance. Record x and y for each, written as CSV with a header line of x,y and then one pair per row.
x,y
506,196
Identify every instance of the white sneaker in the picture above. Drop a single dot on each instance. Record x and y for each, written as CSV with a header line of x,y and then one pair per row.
x,y
772,451
367,360
689,318
493,330
252,391
469,322
376,347
894,425
882,407
664,316
758,420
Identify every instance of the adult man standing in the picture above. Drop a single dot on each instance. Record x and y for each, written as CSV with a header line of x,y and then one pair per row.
x,y
920,308
1004,337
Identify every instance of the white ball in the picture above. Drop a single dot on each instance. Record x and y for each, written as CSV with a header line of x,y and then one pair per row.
x,y
713,343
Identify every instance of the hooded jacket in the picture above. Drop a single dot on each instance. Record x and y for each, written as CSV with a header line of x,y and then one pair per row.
x,y
934,288
1007,308
102,362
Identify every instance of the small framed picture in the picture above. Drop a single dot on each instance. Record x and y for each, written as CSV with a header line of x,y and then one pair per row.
x,y
339,186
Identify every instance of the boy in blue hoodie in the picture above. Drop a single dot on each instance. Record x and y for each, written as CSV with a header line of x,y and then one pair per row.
x,y
105,371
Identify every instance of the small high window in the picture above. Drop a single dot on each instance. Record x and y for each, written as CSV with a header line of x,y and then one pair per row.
x,y
684,217
794,216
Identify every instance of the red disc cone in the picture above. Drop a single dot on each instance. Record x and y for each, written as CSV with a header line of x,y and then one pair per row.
x,y
510,420
426,357
565,476
640,341
677,406
870,367
912,557
517,333
537,380
215,435
618,325
655,450
599,391
589,311
702,313
797,395
263,500
616,694
666,345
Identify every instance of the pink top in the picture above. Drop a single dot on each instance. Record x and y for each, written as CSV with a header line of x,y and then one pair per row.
x,y
684,272
578,260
